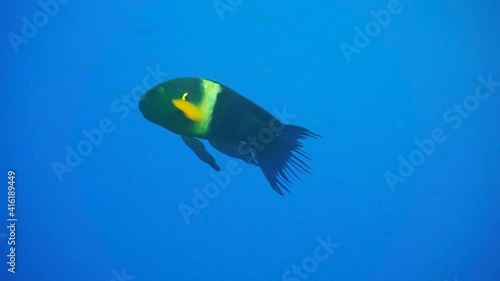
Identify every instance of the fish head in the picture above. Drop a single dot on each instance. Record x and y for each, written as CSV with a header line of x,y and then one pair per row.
x,y
174,104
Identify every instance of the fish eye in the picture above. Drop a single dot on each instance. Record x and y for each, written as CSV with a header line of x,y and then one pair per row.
x,y
161,90
184,96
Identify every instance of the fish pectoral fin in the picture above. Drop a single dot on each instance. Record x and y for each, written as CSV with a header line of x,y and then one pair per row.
x,y
239,150
191,111
199,149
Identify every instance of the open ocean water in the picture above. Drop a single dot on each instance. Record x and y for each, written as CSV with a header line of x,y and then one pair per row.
x,y
405,179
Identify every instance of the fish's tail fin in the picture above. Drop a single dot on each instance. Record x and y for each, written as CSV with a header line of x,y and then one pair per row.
x,y
282,160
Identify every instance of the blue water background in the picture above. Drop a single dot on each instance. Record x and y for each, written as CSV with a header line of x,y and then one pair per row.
x,y
118,210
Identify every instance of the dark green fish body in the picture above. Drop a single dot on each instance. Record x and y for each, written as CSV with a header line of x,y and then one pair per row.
x,y
200,108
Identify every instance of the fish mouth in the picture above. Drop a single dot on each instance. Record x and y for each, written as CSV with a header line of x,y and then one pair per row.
x,y
143,105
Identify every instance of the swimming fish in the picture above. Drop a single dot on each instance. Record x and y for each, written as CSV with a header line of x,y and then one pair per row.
x,y
197,108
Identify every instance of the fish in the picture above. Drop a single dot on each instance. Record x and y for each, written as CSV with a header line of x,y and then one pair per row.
x,y
202,109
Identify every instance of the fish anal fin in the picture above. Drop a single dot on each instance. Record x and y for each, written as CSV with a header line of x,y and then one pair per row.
x,y
236,149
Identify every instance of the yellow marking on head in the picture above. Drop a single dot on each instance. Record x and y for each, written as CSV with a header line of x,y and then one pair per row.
x,y
201,112
191,111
